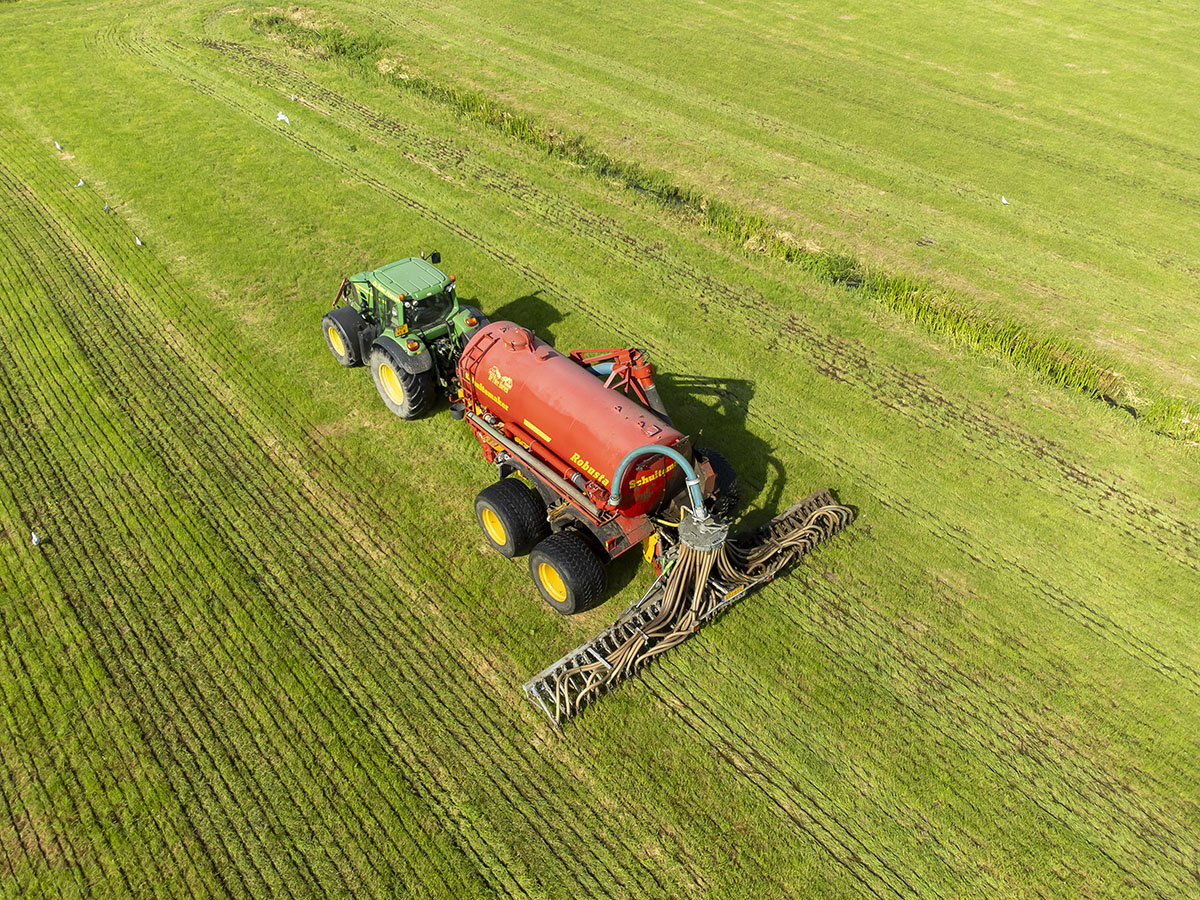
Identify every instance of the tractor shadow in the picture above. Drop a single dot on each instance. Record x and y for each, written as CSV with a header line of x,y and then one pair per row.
x,y
531,311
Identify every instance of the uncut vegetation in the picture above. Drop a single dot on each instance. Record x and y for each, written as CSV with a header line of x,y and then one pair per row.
x,y
261,649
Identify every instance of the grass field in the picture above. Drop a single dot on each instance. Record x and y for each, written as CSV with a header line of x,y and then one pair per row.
x,y
263,651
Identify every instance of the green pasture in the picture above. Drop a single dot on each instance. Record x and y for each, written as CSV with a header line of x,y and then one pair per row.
x,y
262,650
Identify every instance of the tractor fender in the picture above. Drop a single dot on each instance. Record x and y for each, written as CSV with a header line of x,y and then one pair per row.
x,y
413,363
359,333
464,312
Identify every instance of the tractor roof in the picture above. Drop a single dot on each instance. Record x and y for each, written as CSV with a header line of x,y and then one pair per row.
x,y
413,277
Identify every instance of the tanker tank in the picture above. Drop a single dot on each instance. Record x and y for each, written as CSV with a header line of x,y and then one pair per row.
x,y
563,413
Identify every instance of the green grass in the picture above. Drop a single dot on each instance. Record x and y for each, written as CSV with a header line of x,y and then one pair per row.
x,y
1059,360
263,650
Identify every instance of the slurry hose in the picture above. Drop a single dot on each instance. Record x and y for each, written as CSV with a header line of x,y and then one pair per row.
x,y
693,480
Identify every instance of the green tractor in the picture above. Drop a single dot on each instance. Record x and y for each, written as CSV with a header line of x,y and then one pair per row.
x,y
405,321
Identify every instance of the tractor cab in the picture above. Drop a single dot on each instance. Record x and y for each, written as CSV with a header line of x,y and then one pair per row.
x,y
406,295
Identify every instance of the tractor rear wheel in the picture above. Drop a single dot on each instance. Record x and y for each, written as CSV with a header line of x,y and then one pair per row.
x,y
341,335
725,496
511,516
408,394
567,572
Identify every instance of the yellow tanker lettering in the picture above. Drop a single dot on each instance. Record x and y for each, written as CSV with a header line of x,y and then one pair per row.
x,y
489,394
586,467
654,476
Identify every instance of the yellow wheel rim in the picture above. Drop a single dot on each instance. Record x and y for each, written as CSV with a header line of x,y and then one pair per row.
x,y
494,527
552,582
391,384
335,341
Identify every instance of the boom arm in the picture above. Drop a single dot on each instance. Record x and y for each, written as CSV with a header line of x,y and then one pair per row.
x,y
625,367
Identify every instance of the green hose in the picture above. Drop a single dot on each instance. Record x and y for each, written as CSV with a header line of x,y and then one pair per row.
x,y
693,480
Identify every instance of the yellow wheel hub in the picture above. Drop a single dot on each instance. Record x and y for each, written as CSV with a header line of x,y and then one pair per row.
x,y
494,527
335,341
552,582
391,384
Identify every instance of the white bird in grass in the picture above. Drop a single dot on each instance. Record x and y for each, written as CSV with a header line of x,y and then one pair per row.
x,y
106,206
138,239
282,118
80,183
34,539
57,145
1004,200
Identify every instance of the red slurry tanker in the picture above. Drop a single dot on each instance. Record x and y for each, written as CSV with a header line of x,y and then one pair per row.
x,y
559,424
587,472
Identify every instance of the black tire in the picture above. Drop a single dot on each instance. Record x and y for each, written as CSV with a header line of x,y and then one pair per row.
x,y
511,516
568,573
409,395
725,498
341,327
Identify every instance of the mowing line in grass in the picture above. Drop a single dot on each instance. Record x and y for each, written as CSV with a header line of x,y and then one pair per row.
x,y
164,388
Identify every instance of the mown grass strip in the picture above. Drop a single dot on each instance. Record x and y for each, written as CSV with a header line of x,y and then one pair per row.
x,y
181,450
938,310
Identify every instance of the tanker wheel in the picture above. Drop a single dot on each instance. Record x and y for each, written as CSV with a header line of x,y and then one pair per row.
x,y
511,516
408,394
567,572
725,496
341,331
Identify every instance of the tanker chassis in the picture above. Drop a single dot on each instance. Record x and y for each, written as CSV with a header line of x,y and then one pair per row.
x,y
586,473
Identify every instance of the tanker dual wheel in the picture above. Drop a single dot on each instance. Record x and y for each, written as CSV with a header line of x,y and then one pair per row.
x,y
568,572
341,335
512,516
409,395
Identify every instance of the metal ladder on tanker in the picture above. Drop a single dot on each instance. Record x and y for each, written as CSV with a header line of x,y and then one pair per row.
x,y
469,360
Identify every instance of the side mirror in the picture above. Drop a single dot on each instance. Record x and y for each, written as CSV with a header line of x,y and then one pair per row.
x,y
435,257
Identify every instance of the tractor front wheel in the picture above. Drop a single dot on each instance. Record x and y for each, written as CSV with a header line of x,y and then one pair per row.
x,y
567,572
341,335
408,394
511,516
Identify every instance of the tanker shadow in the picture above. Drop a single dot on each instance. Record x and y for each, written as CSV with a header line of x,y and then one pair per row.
x,y
713,411
531,311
